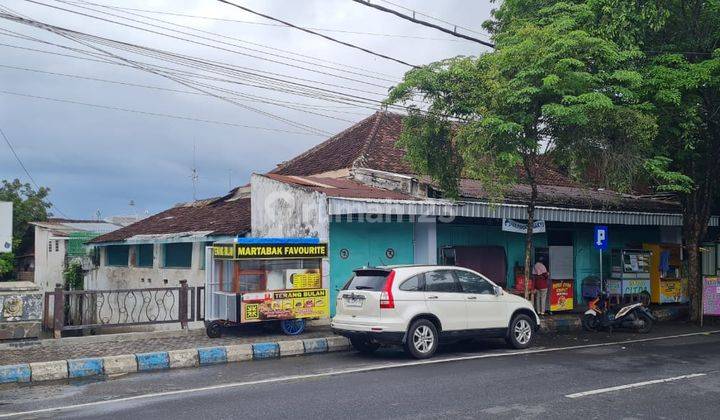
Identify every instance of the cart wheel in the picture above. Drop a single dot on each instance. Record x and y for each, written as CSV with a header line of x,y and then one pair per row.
x,y
213,330
292,326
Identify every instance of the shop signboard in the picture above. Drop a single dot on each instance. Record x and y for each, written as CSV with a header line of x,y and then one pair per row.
x,y
711,296
561,295
6,213
671,291
514,226
269,251
285,304
628,286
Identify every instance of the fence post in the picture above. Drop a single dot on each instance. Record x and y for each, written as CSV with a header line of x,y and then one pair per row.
x,y
58,311
183,306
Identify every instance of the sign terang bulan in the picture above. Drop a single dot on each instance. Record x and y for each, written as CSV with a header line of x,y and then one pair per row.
x,y
250,251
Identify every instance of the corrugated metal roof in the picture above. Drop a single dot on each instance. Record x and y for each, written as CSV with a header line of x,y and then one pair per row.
x,y
473,209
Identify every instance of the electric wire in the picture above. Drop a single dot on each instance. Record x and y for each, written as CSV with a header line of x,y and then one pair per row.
x,y
25,169
347,44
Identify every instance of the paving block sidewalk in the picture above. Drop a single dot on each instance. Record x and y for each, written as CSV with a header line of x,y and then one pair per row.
x,y
134,343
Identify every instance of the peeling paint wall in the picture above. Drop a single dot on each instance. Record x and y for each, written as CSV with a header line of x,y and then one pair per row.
x,y
282,210
131,277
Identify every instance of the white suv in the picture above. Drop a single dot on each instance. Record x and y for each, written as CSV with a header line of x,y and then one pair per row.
x,y
417,306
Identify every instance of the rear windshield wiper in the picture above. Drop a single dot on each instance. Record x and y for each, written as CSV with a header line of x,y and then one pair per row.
x,y
364,288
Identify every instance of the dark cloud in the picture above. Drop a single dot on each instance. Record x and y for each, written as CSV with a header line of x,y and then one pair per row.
x,y
102,159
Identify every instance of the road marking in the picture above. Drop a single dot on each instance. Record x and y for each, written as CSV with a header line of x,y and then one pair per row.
x,y
635,385
384,366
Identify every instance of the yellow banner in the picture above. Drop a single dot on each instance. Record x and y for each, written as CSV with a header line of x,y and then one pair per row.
x,y
263,251
285,304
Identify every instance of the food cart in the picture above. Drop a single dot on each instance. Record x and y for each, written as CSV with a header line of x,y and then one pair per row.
x,y
270,280
630,275
666,282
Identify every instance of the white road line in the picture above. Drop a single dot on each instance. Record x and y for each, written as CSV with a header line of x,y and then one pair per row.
x,y
342,372
635,385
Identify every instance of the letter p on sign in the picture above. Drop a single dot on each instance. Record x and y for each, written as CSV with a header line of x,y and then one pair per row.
x,y
601,237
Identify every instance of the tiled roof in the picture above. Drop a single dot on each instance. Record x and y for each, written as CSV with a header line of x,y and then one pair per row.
x,y
221,216
340,187
574,197
371,144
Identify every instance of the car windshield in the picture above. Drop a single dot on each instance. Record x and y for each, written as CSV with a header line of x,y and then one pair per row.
x,y
367,280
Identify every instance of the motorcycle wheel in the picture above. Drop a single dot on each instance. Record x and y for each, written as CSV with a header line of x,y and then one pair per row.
x,y
589,322
647,323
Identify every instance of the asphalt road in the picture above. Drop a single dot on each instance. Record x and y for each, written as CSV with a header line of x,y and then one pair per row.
x,y
562,378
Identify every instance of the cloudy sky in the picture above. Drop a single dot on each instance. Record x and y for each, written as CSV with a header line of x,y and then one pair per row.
x,y
245,94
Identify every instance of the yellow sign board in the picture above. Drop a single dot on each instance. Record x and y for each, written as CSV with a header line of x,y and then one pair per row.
x,y
265,251
285,304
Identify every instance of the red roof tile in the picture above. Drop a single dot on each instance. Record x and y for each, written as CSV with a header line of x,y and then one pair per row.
x,y
221,216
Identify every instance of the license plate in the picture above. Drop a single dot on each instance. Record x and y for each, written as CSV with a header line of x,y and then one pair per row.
x,y
354,303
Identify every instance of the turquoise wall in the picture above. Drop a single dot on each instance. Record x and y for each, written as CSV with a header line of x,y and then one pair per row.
x,y
366,244
586,258
450,234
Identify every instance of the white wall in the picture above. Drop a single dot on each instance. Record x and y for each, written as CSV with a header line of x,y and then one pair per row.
x,y
130,277
285,211
49,265
425,231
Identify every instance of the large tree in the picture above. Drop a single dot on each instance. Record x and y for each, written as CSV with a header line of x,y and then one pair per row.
x,y
682,72
29,205
491,117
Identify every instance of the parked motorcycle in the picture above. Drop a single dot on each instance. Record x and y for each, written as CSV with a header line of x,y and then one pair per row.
x,y
601,316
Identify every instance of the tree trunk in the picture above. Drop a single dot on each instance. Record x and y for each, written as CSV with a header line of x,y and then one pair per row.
x,y
696,215
529,238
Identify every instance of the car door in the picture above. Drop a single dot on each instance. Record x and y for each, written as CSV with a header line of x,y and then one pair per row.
x,y
444,300
484,309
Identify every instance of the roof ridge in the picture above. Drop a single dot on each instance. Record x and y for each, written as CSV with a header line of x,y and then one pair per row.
x,y
321,145
379,115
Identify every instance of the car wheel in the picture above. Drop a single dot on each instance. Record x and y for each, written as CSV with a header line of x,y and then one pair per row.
x,y
646,323
364,346
422,339
521,333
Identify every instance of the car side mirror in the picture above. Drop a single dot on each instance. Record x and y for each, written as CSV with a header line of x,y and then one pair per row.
x,y
497,290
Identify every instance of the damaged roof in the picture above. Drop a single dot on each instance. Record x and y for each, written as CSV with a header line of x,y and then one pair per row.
x,y
340,187
223,216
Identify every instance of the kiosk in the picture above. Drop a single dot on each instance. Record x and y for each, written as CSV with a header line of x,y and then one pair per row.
x,y
630,275
265,280
666,282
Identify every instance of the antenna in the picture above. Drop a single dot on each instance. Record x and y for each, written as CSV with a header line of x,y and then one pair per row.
x,y
194,173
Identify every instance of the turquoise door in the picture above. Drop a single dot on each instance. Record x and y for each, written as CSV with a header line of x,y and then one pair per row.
x,y
357,244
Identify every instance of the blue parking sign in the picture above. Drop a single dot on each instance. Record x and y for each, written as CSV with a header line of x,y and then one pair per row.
x,y
601,238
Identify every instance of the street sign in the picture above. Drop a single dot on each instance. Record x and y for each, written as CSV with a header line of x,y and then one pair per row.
x,y
600,241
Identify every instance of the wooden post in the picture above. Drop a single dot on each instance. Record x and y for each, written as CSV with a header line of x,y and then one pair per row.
x,y
58,311
183,305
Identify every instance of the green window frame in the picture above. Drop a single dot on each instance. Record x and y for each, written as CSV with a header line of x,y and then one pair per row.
x,y
178,255
117,255
145,254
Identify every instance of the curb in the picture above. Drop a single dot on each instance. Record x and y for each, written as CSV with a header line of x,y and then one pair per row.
x,y
163,360
568,324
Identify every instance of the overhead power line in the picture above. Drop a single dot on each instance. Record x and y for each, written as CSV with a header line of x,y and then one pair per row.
x,y
422,22
347,44
25,169
416,12
155,114
279,25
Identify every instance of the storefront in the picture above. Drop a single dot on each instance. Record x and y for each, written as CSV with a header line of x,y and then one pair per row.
x,y
265,280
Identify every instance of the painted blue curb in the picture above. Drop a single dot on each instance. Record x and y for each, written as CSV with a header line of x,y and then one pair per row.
x,y
14,373
316,345
266,351
153,361
79,368
212,355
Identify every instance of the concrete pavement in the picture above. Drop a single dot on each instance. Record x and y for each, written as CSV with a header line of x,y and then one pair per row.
x,y
478,380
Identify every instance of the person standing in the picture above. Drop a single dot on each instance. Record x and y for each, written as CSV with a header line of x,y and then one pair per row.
x,y
541,277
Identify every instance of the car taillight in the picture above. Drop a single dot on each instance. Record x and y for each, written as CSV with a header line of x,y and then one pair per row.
x,y
386,296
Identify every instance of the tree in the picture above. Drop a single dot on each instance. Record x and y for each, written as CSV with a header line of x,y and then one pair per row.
x,y
682,72
490,117
29,205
